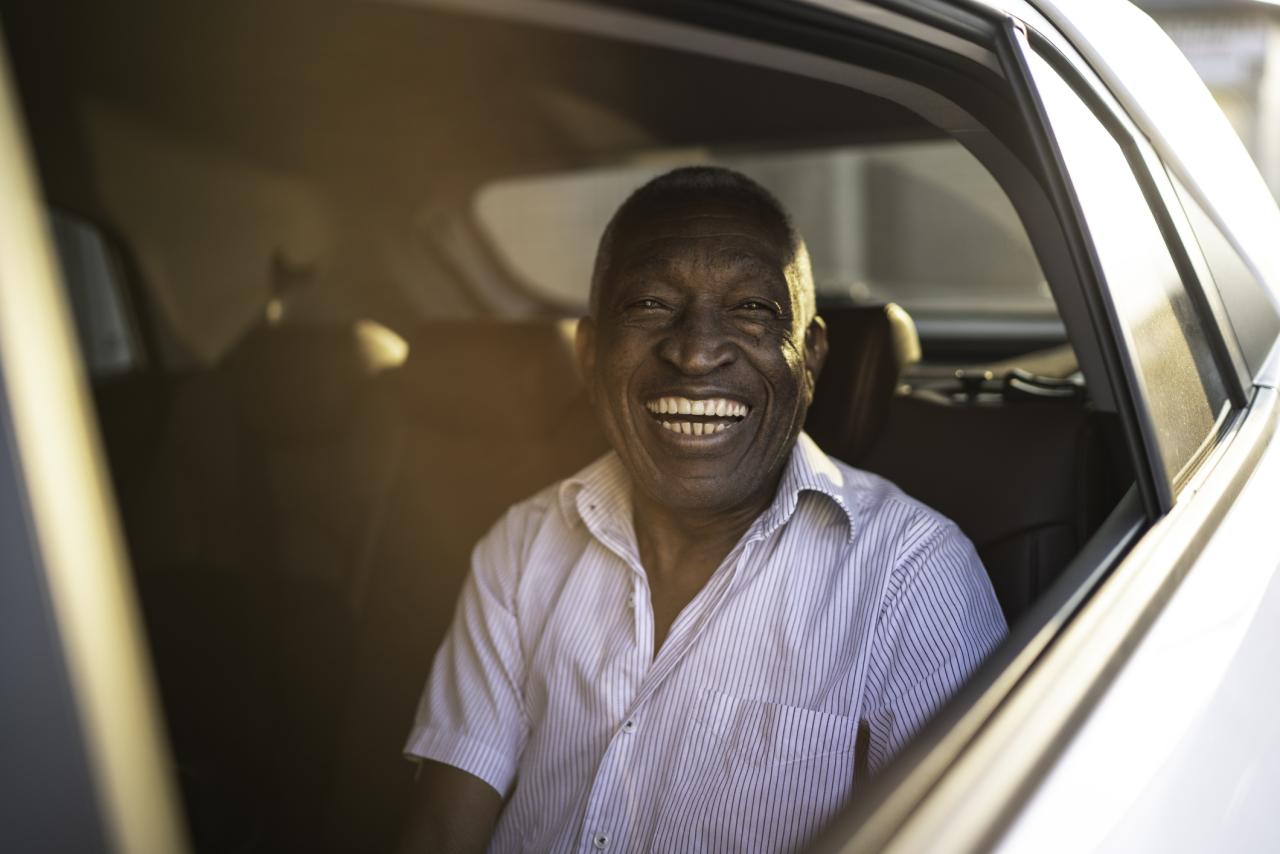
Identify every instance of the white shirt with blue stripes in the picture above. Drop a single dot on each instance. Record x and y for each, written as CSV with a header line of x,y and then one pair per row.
x,y
845,602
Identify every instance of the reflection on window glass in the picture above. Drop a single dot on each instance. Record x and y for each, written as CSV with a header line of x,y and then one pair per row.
x,y
922,224
1180,383
1253,317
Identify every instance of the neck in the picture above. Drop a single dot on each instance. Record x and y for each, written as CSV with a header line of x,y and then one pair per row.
x,y
675,541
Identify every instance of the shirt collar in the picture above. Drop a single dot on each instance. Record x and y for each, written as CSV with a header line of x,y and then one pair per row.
x,y
808,470
600,494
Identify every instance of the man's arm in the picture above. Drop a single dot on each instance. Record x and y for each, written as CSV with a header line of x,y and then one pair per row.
x,y
470,726
453,812
939,624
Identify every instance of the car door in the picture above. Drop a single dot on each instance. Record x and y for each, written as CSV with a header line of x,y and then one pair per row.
x,y
85,762
1104,740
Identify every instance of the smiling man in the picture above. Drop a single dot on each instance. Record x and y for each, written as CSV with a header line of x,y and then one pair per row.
x,y
705,639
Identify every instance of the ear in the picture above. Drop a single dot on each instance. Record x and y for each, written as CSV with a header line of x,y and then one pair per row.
x,y
584,346
815,353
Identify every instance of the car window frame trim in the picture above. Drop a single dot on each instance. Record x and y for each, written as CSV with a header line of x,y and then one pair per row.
x,y
1137,150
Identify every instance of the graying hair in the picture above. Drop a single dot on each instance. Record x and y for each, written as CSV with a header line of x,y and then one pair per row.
x,y
690,182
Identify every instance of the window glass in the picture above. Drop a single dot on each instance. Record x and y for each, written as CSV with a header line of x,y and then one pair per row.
x,y
91,274
1252,314
1179,383
922,224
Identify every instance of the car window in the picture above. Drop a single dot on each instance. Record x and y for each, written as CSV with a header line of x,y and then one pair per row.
x,y
920,223
1181,392
1252,315
108,338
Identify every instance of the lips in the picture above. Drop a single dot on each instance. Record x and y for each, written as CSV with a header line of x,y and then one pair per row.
x,y
689,416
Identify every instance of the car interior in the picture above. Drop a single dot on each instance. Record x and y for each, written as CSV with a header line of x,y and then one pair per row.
x,y
326,261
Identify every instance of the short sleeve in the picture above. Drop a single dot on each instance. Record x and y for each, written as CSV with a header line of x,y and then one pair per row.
x,y
939,620
471,714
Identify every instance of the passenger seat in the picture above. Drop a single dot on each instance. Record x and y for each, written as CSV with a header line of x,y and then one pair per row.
x,y
494,412
263,504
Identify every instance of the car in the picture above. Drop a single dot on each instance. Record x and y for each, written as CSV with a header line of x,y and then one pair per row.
x,y
286,299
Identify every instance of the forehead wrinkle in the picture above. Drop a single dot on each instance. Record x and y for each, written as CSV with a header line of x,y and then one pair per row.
x,y
749,262
683,235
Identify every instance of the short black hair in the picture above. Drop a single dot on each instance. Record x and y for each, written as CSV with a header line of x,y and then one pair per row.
x,y
692,182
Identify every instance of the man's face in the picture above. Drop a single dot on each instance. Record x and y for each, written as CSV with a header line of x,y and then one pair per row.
x,y
698,361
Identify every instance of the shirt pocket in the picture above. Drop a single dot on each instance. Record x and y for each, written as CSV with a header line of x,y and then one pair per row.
x,y
754,775
762,733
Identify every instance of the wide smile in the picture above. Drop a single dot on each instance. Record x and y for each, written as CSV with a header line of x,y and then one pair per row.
x,y
707,417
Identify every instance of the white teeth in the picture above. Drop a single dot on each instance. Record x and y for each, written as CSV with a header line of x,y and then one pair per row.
x,y
694,428
718,407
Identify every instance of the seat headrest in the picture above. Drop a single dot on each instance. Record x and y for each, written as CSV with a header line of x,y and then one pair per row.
x,y
868,348
307,379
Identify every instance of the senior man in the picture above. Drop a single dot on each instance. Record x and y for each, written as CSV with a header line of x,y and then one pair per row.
x,y
684,646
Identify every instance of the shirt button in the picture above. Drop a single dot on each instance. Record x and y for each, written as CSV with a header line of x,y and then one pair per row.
x,y
600,841
629,727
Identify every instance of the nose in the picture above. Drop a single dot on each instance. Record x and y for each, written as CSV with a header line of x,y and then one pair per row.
x,y
698,342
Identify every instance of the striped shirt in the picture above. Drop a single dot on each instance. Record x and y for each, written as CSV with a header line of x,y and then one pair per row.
x,y
845,602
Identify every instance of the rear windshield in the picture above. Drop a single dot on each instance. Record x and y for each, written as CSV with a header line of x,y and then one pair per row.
x,y
922,224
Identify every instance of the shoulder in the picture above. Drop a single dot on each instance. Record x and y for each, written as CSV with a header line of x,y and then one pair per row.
x,y
920,551
551,510
882,512
522,521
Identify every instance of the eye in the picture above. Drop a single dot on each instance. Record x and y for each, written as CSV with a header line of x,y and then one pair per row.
x,y
646,304
754,306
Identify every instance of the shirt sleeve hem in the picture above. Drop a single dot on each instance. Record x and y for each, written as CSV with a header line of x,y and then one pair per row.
x,y
464,753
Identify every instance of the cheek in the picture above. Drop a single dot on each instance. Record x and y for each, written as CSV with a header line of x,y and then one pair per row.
x,y
789,375
793,358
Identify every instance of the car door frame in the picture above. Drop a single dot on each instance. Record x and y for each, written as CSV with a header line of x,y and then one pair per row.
x,y
978,762
87,765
